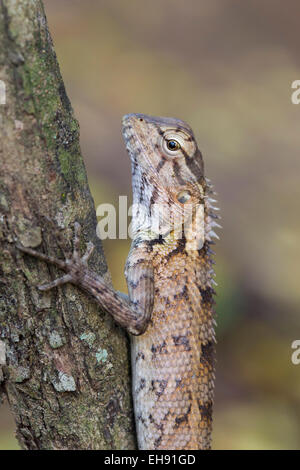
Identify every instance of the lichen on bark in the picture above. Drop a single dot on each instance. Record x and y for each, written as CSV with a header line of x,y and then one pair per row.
x,y
64,391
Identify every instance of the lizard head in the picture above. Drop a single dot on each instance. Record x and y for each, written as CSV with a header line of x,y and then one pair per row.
x,y
167,165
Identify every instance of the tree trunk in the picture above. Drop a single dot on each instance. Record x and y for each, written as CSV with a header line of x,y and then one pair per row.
x,y
63,363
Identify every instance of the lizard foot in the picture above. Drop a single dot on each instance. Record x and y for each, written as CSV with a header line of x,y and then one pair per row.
x,y
75,266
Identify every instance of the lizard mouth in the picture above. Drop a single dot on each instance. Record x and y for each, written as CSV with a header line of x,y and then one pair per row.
x,y
133,143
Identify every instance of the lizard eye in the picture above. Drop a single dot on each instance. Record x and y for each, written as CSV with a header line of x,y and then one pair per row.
x,y
173,145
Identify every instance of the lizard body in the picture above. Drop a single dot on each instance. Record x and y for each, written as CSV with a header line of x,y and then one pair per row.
x,y
169,309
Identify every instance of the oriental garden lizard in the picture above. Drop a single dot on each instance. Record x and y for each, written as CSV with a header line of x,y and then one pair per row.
x,y
169,311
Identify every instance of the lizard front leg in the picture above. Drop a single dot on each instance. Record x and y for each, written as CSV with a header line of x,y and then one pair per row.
x,y
132,313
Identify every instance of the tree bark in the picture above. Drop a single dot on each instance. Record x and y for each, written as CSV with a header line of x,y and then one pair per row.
x,y
63,363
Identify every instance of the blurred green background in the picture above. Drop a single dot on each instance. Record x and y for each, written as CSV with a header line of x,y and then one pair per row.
x,y
226,67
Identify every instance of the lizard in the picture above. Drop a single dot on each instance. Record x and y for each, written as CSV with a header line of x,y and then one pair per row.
x,y
169,310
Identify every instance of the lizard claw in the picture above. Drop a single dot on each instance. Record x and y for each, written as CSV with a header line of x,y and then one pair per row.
x,y
57,282
89,250
49,259
72,266
76,241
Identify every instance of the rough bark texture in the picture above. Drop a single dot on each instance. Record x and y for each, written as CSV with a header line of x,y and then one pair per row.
x,y
63,363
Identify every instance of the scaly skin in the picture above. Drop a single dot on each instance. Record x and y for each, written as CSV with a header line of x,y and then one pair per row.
x,y
169,310
172,361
